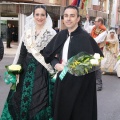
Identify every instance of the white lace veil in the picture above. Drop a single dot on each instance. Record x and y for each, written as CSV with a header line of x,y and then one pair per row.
x,y
115,35
29,23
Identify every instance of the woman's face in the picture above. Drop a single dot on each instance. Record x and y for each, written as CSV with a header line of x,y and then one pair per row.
x,y
40,16
112,34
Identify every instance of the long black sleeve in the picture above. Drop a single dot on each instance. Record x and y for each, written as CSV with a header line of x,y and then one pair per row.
x,y
1,49
54,62
23,53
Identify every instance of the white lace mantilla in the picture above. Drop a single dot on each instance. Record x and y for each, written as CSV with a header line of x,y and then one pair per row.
x,y
34,46
41,40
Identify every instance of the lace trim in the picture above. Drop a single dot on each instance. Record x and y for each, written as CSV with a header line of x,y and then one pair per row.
x,y
41,40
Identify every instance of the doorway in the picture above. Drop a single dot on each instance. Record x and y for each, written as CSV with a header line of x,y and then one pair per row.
x,y
3,31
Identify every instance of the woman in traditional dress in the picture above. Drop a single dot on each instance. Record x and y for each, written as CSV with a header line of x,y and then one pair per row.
x,y
30,100
110,51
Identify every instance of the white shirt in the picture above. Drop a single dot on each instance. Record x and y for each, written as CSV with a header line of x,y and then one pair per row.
x,y
65,51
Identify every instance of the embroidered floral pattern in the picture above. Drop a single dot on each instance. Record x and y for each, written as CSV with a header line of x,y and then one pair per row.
x,y
41,40
27,90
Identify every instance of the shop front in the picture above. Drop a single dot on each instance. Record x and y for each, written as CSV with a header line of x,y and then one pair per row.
x,y
15,14
8,15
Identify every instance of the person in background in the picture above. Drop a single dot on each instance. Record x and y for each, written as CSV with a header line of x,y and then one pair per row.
x,y
30,100
110,51
74,96
1,49
13,33
99,33
87,26
9,36
118,33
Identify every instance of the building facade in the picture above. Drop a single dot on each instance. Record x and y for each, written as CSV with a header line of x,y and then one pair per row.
x,y
15,12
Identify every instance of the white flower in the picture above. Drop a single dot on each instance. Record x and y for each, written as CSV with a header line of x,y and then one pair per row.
x,y
94,61
14,67
97,56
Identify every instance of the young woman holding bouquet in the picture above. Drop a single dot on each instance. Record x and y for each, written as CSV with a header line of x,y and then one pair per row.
x,y
30,100
110,51
74,96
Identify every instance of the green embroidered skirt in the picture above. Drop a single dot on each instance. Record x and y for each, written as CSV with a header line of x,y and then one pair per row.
x,y
32,99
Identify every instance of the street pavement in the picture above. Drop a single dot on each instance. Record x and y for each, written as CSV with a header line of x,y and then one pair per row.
x,y
108,99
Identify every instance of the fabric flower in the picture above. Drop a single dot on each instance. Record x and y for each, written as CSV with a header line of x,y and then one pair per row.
x,y
107,43
14,68
97,56
94,61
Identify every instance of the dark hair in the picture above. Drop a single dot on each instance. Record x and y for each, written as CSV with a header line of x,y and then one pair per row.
x,y
40,6
72,7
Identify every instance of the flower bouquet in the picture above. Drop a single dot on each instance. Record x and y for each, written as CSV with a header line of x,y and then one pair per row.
x,y
107,45
81,64
10,74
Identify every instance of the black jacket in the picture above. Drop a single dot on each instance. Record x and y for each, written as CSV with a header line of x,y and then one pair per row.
x,y
1,49
80,41
74,97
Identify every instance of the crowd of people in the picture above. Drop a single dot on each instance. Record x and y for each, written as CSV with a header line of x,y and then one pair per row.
x,y
42,51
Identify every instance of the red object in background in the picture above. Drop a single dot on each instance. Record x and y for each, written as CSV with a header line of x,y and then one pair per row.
x,y
83,4
107,43
74,2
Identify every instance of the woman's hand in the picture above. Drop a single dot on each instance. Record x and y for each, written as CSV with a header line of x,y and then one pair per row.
x,y
59,67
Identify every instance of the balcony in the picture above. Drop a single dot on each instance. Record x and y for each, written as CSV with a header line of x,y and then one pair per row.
x,y
55,2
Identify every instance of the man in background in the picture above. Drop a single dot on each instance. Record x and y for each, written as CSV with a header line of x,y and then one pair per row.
x,y
9,35
99,33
